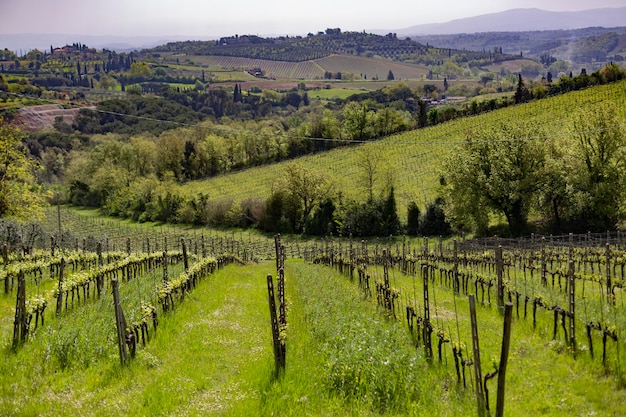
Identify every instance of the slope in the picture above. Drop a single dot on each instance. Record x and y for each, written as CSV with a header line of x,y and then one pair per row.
x,y
412,159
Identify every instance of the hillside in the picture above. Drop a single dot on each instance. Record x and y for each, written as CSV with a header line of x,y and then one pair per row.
x,y
35,118
414,157
370,68
323,44
567,45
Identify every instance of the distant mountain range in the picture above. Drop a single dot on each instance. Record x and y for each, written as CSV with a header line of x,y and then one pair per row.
x,y
521,20
515,20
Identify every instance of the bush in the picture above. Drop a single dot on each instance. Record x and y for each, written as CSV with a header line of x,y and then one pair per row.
x,y
281,214
434,222
413,219
323,221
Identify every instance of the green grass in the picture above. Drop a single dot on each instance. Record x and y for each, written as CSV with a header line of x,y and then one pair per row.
x,y
333,93
208,355
212,355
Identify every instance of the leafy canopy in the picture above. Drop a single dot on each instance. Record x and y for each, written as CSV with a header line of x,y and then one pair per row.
x,y
20,196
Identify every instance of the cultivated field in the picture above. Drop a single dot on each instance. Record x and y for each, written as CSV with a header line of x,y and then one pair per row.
x,y
413,159
369,330
306,70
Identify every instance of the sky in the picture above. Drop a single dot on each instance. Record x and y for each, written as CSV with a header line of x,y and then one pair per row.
x,y
201,19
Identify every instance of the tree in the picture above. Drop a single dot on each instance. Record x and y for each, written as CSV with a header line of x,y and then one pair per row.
x,y
368,160
422,113
497,170
357,120
20,197
522,94
107,82
413,219
599,173
140,69
307,187
390,76
433,222
390,220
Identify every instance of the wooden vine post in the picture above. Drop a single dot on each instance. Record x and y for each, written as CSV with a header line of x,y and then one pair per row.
x,y
20,324
572,306
120,322
428,348
278,355
185,260
386,286
164,262
282,317
480,396
500,273
128,246
60,287
504,356
609,285
457,286
544,264
5,259
352,259
277,249
100,277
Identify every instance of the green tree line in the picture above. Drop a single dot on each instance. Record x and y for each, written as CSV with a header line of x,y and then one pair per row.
x,y
569,183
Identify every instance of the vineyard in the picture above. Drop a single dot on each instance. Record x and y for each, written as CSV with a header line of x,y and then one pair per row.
x,y
104,317
413,158
313,69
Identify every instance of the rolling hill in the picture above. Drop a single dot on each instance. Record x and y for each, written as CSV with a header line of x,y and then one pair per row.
x,y
414,157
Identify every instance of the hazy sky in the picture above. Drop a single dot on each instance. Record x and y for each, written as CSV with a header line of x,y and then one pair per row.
x,y
214,18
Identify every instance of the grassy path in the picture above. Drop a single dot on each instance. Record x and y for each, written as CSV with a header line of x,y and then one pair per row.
x,y
212,356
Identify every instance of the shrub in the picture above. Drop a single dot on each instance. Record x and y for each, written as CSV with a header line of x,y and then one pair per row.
x,y
434,221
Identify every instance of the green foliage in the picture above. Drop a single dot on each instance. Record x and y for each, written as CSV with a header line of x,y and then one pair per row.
x,y
368,360
434,222
413,219
496,170
357,121
323,222
112,116
20,196
599,174
377,217
295,197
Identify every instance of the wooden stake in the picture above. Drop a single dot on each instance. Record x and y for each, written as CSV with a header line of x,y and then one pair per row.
x,y
20,324
60,293
609,284
572,306
504,356
120,322
500,273
428,348
164,262
480,396
185,260
275,329
5,258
